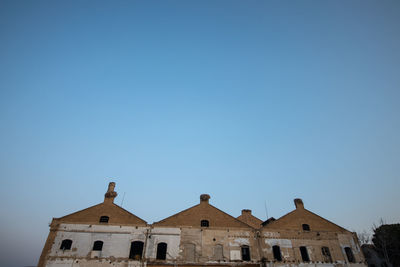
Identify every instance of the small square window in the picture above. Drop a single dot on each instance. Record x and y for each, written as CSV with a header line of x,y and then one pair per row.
x,y
204,223
104,219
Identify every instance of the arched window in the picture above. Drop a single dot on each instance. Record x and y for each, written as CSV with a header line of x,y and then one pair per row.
x,y
349,254
218,253
204,223
306,227
136,250
161,251
304,254
326,254
66,244
277,253
98,245
245,253
104,219
190,252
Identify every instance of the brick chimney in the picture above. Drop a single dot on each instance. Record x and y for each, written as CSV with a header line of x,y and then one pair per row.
x,y
246,212
298,203
204,198
110,194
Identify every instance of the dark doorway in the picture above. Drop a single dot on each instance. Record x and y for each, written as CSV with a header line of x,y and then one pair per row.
x,y
277,253
245,253
136,250
326,254
161,251
349,254
304,254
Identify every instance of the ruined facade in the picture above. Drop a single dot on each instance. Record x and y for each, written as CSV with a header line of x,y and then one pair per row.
x,y
203,235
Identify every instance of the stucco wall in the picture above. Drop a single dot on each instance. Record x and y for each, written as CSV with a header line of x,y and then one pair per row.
x,y
117,240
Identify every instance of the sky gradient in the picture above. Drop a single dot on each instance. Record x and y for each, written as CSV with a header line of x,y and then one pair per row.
x,y
252,102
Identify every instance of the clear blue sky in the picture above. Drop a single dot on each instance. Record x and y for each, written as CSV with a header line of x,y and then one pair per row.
x,y
249,101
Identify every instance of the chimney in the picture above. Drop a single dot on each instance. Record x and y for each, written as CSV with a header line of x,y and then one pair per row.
x,y
298,203
111,194
246,212
204,198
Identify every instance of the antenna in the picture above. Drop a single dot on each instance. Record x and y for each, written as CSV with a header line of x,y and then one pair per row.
x,y
266,210
122,201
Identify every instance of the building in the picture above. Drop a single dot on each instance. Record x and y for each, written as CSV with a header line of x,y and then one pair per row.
x,y
202,235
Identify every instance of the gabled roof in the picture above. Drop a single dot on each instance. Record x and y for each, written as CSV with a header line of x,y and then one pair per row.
x,y
116,214
296,218
192,217
269,220
91,215
250,219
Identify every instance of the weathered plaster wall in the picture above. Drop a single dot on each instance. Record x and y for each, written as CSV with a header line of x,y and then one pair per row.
x,y
350,241
117,240
291,241
206,240
170,236
93,263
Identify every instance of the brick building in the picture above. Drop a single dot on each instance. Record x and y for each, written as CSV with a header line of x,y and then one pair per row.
x,y
203,235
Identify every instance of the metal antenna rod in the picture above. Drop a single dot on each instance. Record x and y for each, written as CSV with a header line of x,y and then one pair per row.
x,y
122,201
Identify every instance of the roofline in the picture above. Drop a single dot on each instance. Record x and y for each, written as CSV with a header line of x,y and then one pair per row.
x,y
99,205
175,214
273,222
245,224
249,224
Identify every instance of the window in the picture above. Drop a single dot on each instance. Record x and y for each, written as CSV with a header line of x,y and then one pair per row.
x,y
349,254
277,253
161,251
204,223
136,250
190,252
66,244
245,253
304,254
218,253
326,254
104,219
306,227
98,245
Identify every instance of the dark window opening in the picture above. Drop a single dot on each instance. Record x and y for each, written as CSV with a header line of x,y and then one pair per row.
x,y
136,250
304,254
98,245
161,251
277,253
66,244
326,254
306,227
349,254
204,223
245,253
104,219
